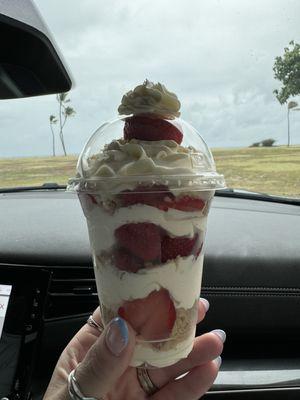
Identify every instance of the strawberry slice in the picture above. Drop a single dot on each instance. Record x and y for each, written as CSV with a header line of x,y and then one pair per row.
x,y
178,246
126,261
152,317
145,128
141,239
157,196
187,203
160,197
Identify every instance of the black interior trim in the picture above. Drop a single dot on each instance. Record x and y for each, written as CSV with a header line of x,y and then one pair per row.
x,y
35,69
257,394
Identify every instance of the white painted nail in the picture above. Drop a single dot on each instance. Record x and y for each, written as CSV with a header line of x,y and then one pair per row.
x,y
220,333
205,303
218,361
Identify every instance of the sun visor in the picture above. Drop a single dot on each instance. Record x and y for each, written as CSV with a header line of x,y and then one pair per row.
x,y
30,63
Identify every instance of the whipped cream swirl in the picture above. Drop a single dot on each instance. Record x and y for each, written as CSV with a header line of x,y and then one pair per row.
x,y
150,98
137,157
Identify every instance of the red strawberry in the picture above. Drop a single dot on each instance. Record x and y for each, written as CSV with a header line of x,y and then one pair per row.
x,y
152,317
156,196
145,128
178,246
160,197
141,239
187,203
126,261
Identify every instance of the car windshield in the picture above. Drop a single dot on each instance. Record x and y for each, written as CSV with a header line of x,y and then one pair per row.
x,y
233,65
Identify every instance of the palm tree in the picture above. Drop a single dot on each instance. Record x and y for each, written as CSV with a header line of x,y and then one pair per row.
x,y
69,112
291,105
52,121
64,113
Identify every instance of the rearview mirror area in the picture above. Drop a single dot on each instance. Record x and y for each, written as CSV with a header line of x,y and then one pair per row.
x,y
29,62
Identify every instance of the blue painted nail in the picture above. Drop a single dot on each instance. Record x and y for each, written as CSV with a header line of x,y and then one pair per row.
x,y
117,336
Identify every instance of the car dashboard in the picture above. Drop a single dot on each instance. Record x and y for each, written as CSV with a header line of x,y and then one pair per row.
x,y
251,279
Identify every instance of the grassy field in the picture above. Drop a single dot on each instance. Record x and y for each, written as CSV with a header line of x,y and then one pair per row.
x,y
274,170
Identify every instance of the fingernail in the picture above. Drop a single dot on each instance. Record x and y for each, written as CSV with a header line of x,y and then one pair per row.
x,y
218,361
221,334
117,336
205,303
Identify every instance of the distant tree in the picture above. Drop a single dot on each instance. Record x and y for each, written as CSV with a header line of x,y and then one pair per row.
x,y
255,144
53,121
287,71
268,142
64,113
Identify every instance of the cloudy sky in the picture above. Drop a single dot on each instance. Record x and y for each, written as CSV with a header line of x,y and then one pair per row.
x,y
217,55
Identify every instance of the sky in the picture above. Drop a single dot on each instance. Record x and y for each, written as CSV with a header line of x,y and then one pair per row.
x,y
216,55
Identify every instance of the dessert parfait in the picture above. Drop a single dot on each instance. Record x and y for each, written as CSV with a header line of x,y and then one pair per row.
x,y
145,182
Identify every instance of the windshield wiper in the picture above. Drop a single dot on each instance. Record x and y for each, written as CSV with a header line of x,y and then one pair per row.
x,y
246,194
45,186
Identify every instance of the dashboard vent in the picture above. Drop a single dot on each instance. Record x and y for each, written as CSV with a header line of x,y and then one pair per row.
x,y
72,292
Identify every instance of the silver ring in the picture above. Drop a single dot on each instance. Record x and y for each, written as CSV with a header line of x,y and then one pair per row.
x,y
74,390
145,381
91,322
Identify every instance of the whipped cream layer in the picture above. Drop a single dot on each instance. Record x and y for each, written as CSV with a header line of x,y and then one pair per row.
x,y
181,277
146,355
150,98
122,158
102,225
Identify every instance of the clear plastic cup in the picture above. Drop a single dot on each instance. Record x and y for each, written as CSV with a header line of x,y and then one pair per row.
x,y
147,231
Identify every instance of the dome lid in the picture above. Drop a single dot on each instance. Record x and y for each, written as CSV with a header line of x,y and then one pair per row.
x,y
150,144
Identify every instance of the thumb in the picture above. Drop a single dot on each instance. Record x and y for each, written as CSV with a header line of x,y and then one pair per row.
x,y
106,360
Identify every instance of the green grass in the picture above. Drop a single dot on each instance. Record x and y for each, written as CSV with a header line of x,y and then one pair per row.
x,y
274,170
36,170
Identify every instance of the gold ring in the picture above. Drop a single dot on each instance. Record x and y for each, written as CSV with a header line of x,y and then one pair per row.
x,y
145,381
91,322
